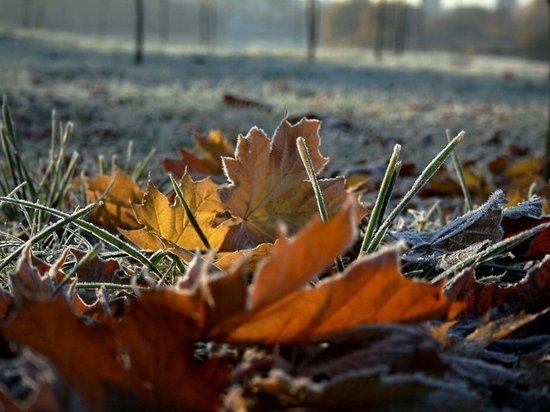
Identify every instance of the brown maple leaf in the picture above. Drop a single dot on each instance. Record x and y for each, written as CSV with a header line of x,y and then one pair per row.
x,y
143,361
268,183
205,159
166,223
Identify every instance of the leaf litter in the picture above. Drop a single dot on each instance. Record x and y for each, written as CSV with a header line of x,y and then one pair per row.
x,y
250,312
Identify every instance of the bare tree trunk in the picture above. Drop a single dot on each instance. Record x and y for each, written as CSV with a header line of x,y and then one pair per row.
x,y
400,27
39,13
421,26
103,17
297,24
205,23
312,24
140,31
380,29
164,20
27,6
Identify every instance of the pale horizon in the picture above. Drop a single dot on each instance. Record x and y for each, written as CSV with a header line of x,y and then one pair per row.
x,y
456,3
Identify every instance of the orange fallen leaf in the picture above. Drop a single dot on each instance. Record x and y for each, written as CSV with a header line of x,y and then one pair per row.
x,y
268,183
165,223
371,290
143,361
206,157
118,192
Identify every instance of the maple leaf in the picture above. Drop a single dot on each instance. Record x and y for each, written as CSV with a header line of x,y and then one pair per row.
x,y
207,160
166,223
282,308
142,361
117,192
268,183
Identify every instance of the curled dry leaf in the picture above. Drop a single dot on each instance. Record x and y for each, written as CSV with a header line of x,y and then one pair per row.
x,y
205,159
268,183
465,235
118,192
166,223
369,389
532,293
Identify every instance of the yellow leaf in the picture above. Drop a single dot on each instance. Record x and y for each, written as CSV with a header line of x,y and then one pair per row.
x,y
166,223
118,192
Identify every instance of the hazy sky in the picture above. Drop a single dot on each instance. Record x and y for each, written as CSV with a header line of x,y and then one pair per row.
x,y
483,3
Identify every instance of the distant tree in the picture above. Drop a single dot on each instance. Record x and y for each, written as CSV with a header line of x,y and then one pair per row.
x,y
207,19
531,35
103,17
140,31
33,13
312,24
164,20
399,26
380,28
27,6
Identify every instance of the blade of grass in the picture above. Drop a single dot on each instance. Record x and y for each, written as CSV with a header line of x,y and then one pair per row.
x,y
189,213
468,203
108,286
492,251
310,170
139,170
382,199
46,232
19,171
426,175
94,230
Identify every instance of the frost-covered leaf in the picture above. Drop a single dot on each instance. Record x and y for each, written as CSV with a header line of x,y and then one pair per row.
x,y
269,183
532,293
463,236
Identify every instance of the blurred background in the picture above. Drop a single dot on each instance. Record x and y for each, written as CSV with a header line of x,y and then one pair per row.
x,y
502,27
377,72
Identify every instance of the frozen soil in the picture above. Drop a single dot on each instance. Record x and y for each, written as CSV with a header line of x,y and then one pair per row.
x,y
409,99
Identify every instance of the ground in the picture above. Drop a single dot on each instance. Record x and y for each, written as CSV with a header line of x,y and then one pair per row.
x,y
409,99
